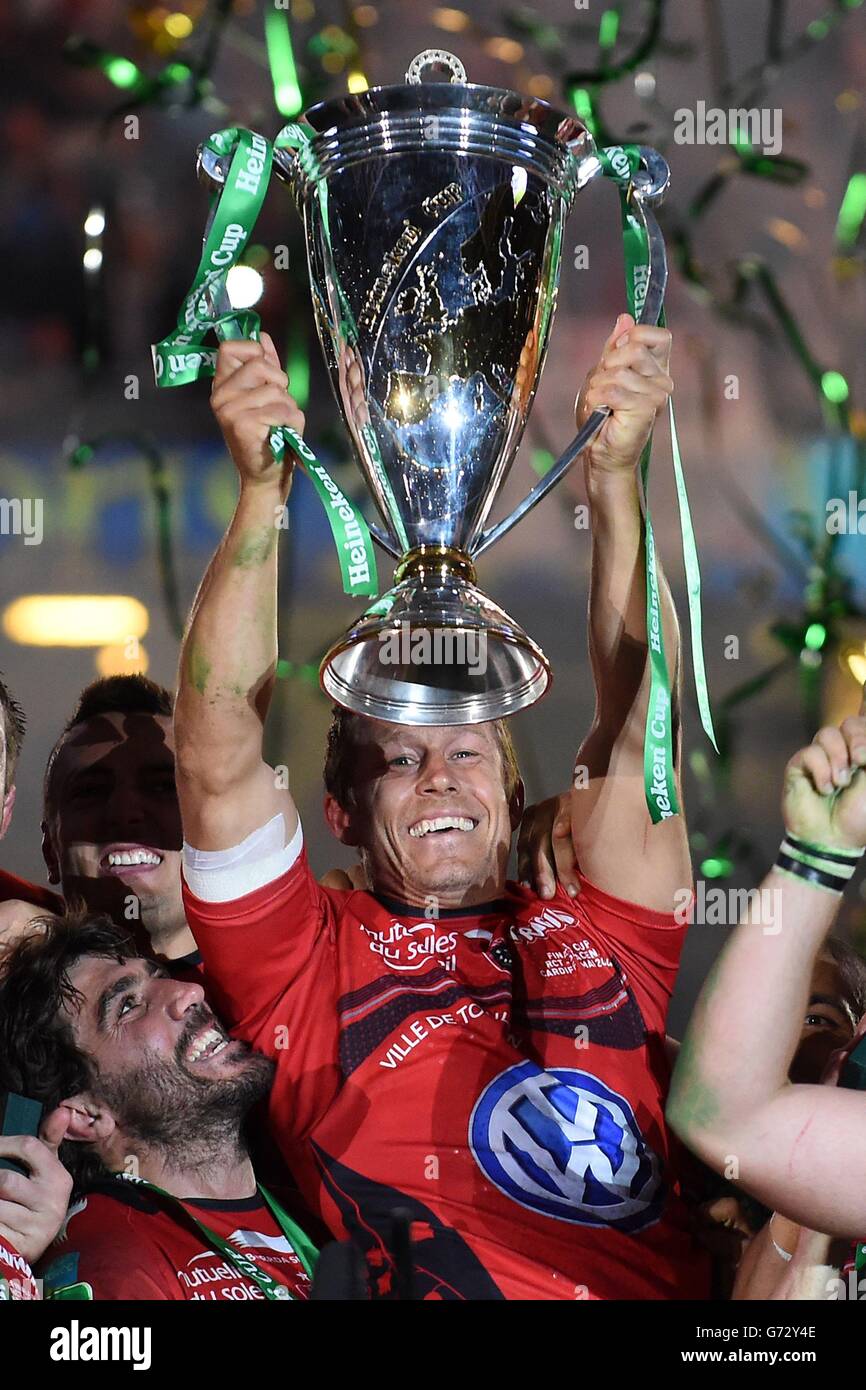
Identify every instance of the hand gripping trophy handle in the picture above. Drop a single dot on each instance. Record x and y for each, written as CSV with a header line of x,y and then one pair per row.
x,y
647,190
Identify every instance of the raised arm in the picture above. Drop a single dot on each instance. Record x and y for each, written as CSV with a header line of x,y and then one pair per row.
x,y
616,843
799,1149
228,659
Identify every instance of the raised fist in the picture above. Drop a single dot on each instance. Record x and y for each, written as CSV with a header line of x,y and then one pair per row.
x,y
824,795
632,378
249,397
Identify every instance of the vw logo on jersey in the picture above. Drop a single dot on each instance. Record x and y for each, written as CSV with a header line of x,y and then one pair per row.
x,y
562,1143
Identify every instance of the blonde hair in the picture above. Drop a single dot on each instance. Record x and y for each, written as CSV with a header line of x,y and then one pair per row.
x,y
343,744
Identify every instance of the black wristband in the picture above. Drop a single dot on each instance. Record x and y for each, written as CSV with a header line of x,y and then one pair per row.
x,y
849,858
810,874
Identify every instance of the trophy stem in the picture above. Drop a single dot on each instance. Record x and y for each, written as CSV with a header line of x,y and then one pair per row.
x,y
435,650
435,563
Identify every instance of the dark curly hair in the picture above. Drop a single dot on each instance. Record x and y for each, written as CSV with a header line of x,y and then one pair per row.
x,y
135,694
39,1056
852,969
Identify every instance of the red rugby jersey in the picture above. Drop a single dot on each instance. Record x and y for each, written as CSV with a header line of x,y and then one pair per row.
x,y
125,1244
16,1277
13,887
499,1073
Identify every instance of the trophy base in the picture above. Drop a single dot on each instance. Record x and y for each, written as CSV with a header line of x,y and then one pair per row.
x,y
435,650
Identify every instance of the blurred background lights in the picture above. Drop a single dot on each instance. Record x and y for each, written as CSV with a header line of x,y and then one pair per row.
x,y
74,620
506,50
288,97
854,659
245,286
178,25
835,387
787,233
540,85
94,223
452,21
608,29
122,72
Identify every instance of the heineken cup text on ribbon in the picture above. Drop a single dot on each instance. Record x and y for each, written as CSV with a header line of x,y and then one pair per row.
x,y
182,358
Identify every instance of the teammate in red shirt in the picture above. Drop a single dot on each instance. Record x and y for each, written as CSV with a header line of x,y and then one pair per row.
x,y
17,896
111,834
448,1044
121,1241
152,1094
17,1283
111,830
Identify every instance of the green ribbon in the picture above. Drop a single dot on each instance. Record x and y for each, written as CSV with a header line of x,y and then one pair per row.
x,y
300,1244
182,357
619,162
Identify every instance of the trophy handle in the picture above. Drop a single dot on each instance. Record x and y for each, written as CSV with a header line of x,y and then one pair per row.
x,y
212,168
435,58
648,188
389,546
285,164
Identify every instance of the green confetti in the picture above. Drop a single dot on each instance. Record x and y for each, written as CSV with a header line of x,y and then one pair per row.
x,y
608,29
717,866
835,387
288,97
852,211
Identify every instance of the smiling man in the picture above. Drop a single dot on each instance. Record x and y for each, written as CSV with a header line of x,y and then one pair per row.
x,y
20,901
447,1044
112,834
154,1094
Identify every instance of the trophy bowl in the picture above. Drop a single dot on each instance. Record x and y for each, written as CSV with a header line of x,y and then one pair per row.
x,y
434,215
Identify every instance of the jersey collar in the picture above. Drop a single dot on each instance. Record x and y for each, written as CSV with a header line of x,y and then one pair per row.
x,y
496,908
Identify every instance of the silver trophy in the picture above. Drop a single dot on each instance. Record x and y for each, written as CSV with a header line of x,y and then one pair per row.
x,y
434,215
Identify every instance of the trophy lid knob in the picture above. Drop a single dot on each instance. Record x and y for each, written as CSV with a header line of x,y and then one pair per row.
x,y
435,57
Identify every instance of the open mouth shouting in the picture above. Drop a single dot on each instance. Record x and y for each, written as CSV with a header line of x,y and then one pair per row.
x,y
442,826
128,860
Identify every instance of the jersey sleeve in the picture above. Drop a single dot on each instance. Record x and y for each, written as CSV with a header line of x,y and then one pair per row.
x,y
269,952
647,944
